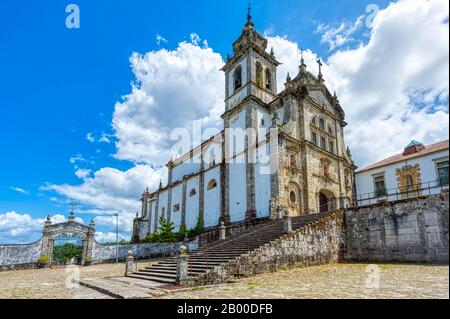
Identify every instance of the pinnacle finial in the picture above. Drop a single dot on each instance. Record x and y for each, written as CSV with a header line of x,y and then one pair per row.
x,y
288,77
272,52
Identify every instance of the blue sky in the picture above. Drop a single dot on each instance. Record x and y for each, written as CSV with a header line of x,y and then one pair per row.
x,y
59,85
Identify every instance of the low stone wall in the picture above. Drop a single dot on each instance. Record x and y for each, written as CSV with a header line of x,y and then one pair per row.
x,y
107,253
14,257
406,231
318,243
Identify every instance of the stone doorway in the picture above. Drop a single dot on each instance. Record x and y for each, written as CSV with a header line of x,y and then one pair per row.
x,y
326,201
71,229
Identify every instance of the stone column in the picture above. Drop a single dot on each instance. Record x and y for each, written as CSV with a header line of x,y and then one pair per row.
x,y
182,267
129,263
201,187
183,204
222,233
287,223
250,151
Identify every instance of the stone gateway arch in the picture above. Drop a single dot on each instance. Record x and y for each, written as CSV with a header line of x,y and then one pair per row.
x,y
51,231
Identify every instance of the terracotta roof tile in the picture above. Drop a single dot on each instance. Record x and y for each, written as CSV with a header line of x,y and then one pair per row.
x,y
399,157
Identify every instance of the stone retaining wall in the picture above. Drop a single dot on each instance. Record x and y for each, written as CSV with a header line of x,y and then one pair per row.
x,y
319,243
19,256
407,231
107,253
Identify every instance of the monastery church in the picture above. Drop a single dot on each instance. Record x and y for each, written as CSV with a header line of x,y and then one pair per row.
x,y
294,160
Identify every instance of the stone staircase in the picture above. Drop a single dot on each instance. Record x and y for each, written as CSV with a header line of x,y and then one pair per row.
x,y
221,253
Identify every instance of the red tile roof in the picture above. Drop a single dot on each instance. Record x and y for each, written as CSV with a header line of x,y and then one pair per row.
x,y
400,157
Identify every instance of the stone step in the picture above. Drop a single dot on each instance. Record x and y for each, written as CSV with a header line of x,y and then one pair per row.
x,y
156,279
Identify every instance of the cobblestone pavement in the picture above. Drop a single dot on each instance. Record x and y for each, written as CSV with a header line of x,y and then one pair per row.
x,y
338,281
55,283
347,281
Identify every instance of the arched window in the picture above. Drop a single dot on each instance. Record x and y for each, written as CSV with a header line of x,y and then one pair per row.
x,y
322,123
192,193
268,79
293,197
237,78
314,120
259,74
212,184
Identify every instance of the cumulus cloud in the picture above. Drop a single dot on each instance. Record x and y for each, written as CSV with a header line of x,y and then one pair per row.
x,y
172,89
110,190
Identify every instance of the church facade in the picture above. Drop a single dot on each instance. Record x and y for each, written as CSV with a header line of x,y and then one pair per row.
x,y
278,153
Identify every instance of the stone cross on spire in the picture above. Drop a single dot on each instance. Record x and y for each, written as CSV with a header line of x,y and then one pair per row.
x,y
249,12
320,77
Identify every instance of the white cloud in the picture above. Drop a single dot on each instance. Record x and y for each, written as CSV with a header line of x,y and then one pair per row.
x,y
109,237
111,190
90,137
77,158
172,89
20,190
160,39
337,36
83,173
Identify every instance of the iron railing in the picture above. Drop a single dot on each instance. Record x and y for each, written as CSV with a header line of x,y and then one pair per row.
x,y
400,193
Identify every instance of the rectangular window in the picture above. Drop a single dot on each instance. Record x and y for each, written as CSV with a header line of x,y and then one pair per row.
x,y
331,147
442,169
380,186
323,143
314,138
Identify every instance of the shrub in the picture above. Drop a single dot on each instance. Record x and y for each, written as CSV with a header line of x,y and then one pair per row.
x,y
198,228
43,260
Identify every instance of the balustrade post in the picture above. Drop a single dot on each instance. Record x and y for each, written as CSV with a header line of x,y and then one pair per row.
x,y
129,263
222,231
287,223
182,267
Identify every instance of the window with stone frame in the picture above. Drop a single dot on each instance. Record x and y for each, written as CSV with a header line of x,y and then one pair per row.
x,y
212,184
268,79
314,120
323,143
237,78
380,185
442,171
322,124
259,74
314,138
331,147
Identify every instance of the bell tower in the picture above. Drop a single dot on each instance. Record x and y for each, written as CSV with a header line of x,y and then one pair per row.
x,y
251,71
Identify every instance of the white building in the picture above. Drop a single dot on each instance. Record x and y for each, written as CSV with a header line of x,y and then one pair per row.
x,y
418,171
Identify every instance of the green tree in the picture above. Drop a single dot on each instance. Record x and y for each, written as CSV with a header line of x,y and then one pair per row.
x,y
165,233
